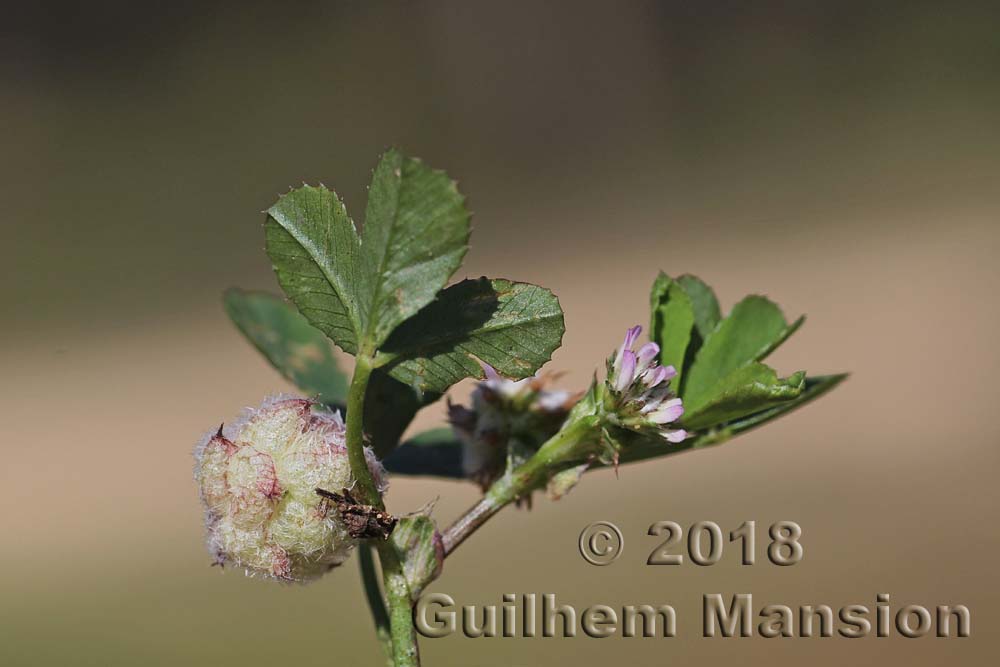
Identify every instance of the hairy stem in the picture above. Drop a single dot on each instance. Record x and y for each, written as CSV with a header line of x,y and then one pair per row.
x,y
558,451
397,591
376,603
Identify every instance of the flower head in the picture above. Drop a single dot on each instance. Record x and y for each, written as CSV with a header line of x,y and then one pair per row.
x,y
640,389
258,479
506,423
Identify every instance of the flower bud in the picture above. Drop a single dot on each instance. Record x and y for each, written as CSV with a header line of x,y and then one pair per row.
x,y
258,479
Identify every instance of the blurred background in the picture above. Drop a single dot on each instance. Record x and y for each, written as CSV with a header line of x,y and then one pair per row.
x,y
842,158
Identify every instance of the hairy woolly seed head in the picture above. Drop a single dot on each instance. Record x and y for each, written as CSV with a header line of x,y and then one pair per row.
x,y
258,478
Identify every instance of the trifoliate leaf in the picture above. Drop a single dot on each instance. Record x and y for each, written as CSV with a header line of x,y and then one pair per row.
x,y
355,289
294,347
513,327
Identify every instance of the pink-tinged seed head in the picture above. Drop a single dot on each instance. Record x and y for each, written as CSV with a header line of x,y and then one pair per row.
x,y
215,451
258,485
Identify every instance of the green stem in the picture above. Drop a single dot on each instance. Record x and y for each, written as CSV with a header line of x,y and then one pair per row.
x,y
369,493
376,603
557,452
405,652
397,590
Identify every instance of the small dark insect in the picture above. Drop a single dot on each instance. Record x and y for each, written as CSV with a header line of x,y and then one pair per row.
x,y
363,521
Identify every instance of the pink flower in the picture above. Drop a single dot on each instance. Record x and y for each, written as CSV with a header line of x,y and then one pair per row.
x,y
641,388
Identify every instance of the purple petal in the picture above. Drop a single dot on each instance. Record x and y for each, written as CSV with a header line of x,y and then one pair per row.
x,y
652,398
627,371
675,436
631,335
671,372
655,376
491,373
667,412
647,353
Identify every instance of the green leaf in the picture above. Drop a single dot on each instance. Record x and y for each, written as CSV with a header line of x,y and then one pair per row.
x,y
434,453
785,334
435,437
514,327
314,248
298,351
706,318
706,306
744,391
390,406
671,322
355,289
813,389
754,328
415,236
